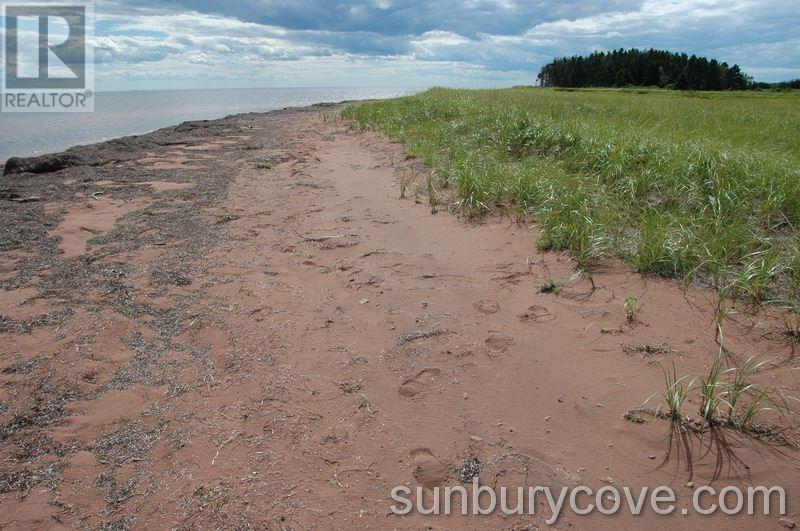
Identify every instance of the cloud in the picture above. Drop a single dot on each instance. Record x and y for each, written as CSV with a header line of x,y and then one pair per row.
x,y
404,42
396,17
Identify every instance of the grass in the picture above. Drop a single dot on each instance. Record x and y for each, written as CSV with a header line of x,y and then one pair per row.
x,y
712,392
698,186
551,286
727,397
675,393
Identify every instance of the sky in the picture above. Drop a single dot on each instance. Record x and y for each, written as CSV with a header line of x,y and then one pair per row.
x,y
161,44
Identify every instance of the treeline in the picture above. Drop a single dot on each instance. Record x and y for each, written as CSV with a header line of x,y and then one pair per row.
x,y
649,68
794,84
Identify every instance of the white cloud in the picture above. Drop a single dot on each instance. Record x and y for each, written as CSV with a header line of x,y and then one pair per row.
x,y
412,42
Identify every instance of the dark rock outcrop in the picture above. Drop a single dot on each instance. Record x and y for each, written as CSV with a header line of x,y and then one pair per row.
x,y
42,164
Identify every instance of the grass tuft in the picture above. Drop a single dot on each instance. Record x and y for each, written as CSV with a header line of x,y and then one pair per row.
x,y
728,398
551,286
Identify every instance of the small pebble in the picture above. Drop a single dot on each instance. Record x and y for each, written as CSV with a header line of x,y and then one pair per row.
x,y
788,523
363,301
690,484
475,438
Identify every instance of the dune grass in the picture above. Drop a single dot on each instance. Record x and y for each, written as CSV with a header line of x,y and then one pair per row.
x,y
700,186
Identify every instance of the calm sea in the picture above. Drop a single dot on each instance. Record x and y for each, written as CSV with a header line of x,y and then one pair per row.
x,y
128,113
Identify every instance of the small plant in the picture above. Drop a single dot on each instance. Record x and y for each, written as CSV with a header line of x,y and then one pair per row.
x,y
405,182
431,193
721,313
756,406
712,393
631,308
551,286
741,385
263,166
675,394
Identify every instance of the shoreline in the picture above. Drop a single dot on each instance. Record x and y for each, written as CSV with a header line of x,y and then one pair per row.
x,y
120,114
99,143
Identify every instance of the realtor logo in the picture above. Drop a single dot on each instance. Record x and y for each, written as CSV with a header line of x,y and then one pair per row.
x,y
47,60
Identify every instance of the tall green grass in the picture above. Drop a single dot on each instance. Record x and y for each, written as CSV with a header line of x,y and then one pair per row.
x,y
699,186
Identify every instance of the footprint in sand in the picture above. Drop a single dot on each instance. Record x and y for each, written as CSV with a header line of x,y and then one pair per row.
x,y
487,307
536,314
419,383
428,471
499,341
512,470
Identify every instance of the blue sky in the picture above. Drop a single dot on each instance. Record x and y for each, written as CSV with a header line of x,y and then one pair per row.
x,y
157,44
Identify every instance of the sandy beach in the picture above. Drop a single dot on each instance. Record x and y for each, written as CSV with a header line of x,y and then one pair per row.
x,y
239,324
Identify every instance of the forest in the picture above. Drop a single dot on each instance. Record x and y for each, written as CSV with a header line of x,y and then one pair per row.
x,y
649,68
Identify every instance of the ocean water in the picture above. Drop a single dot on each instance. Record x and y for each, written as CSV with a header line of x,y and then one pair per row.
x,y
128,113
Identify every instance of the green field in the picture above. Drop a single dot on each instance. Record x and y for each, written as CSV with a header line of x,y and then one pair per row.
x,y
704,187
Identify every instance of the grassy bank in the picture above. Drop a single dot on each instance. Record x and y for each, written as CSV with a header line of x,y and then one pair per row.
x,y
700,186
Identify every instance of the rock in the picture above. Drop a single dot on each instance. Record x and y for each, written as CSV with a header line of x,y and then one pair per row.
x,y
788,523
42,164
364,301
